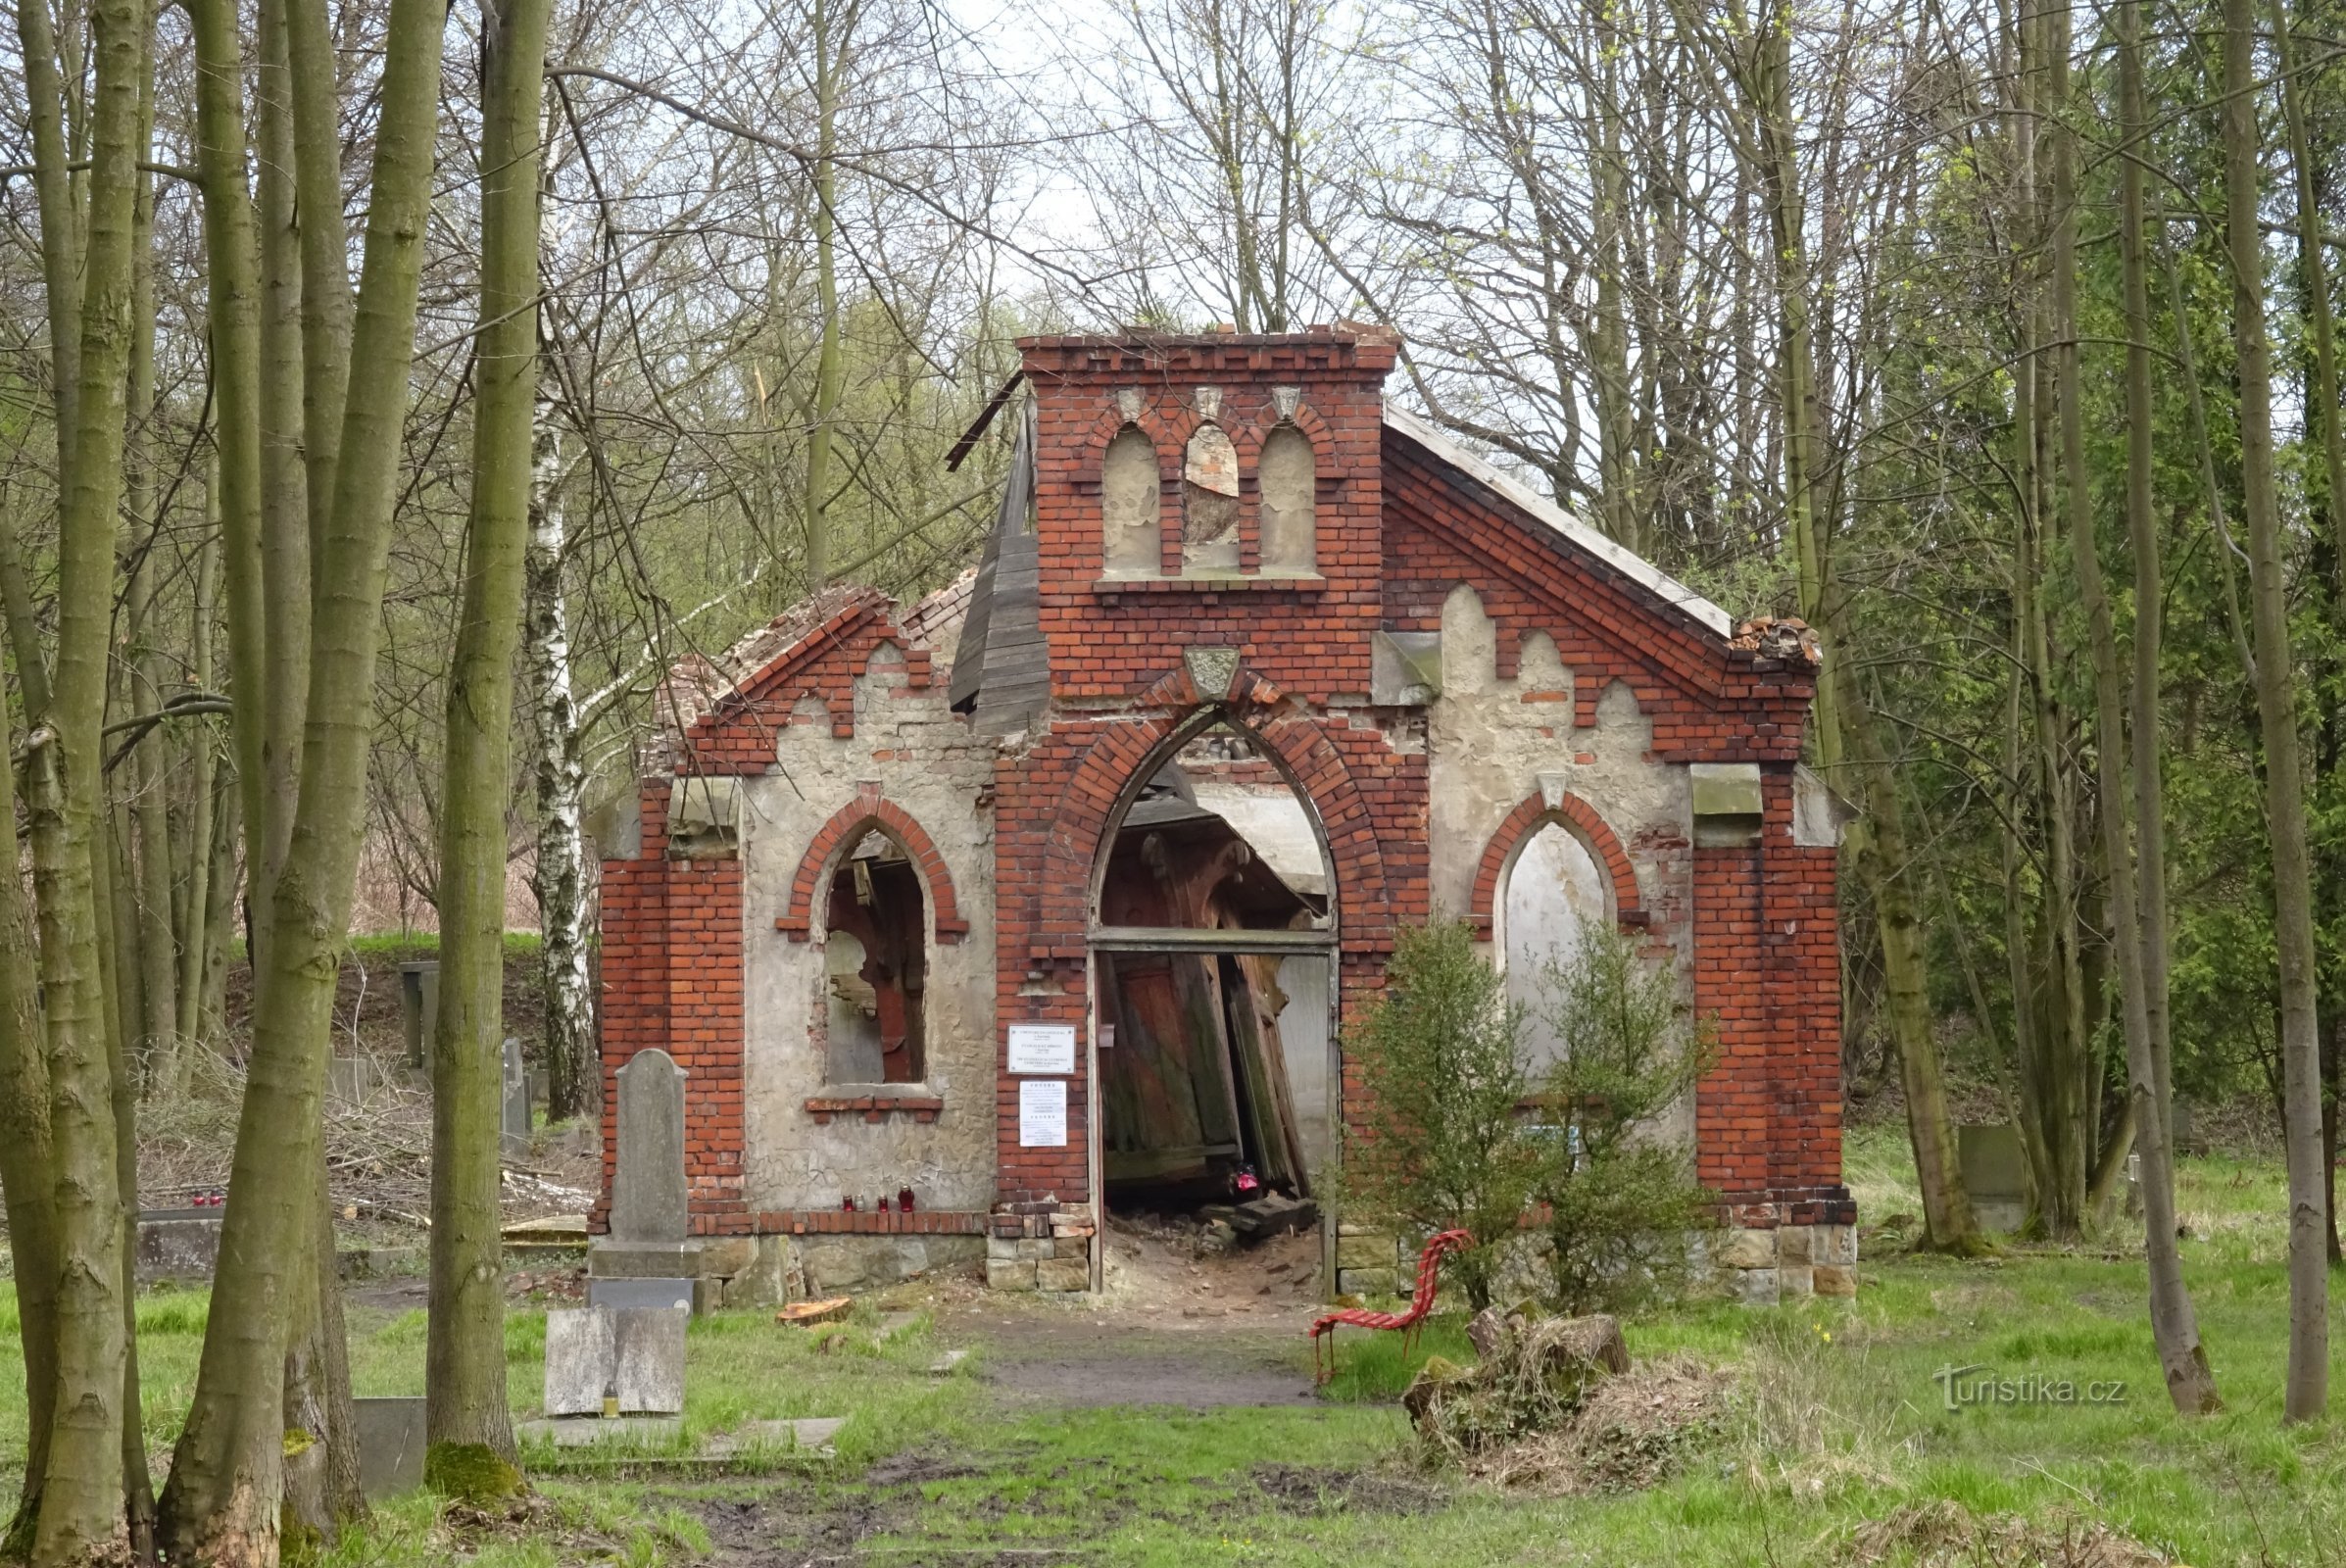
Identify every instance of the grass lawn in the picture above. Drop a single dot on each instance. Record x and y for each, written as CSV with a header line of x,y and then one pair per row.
x,y
1834,1421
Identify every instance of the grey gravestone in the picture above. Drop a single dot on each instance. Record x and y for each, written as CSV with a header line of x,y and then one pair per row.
x,y
420,1006
1995,1173
579,1359
177,1244
517,1103
648,1345
390,1446
648,1191
351,1079
622,1294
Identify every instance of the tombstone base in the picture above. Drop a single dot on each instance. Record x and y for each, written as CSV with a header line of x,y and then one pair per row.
x,y
610,1259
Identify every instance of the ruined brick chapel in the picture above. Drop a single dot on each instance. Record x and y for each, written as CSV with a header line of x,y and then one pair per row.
x,y
1052,893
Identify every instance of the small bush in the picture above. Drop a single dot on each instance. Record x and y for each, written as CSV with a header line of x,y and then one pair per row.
x,y
1463,1131
1443,1144
1620,1206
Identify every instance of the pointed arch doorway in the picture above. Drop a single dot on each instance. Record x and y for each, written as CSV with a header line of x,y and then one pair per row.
x,y
1213,981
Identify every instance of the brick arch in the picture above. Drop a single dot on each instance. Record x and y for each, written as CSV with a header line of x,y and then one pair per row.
x,y
1264,419
1150,422
1116,764
1516,831
866,813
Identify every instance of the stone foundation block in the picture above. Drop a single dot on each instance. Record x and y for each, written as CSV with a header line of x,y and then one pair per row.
x,y
1063,1274
1009,1274
1835,1280
1835,1245
1792,1243
1795,1281
728,1255
1757,1286
1747,1248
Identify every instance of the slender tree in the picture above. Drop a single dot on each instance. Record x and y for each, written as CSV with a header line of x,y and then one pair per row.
x,y
226,1473
82,1516
466,1411
2308,1389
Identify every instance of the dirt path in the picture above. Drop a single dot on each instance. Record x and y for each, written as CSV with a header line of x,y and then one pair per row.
x,y
1176,1324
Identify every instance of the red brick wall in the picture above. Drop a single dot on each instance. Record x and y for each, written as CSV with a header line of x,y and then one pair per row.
x,y
1112,644
1767,968
672,979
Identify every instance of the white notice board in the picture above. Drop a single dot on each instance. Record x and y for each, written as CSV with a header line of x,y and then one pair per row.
x,y
1043,1113
1046,1047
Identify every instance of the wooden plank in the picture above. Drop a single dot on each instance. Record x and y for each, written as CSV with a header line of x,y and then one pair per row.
x,y
1227,939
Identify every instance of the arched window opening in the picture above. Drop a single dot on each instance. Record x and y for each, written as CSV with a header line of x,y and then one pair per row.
x,y
1130,505
1288,478
1214,943
875,967
1209,531
1555,896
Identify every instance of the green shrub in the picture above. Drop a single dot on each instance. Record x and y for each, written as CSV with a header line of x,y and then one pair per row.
x,y
1620,1206
1443,1144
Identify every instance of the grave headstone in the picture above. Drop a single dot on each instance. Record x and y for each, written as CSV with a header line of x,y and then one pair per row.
x,y
648,1191
624,1293
177,1244
351,1079
633,1352
580,1359
648,1350
420,1006
1995,1173
517,1103
390,1446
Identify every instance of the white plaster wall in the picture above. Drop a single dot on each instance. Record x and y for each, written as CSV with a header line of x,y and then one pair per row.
x,y
1554,894
1489,747
928,763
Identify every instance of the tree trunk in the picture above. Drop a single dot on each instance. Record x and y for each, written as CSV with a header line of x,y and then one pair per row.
x,y
558,877
227,1475
1845,721
195,935
464,1351
2137,946
2307,1392
26,1171
82,1511
830,357
2321,414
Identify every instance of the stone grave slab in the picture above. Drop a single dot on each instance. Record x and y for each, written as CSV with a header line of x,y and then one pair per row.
x,y
1995,1173
419,1007
390,1446
649,1348
515,1125
807,1433
572,1432
648,1199
177,1244
582,1356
